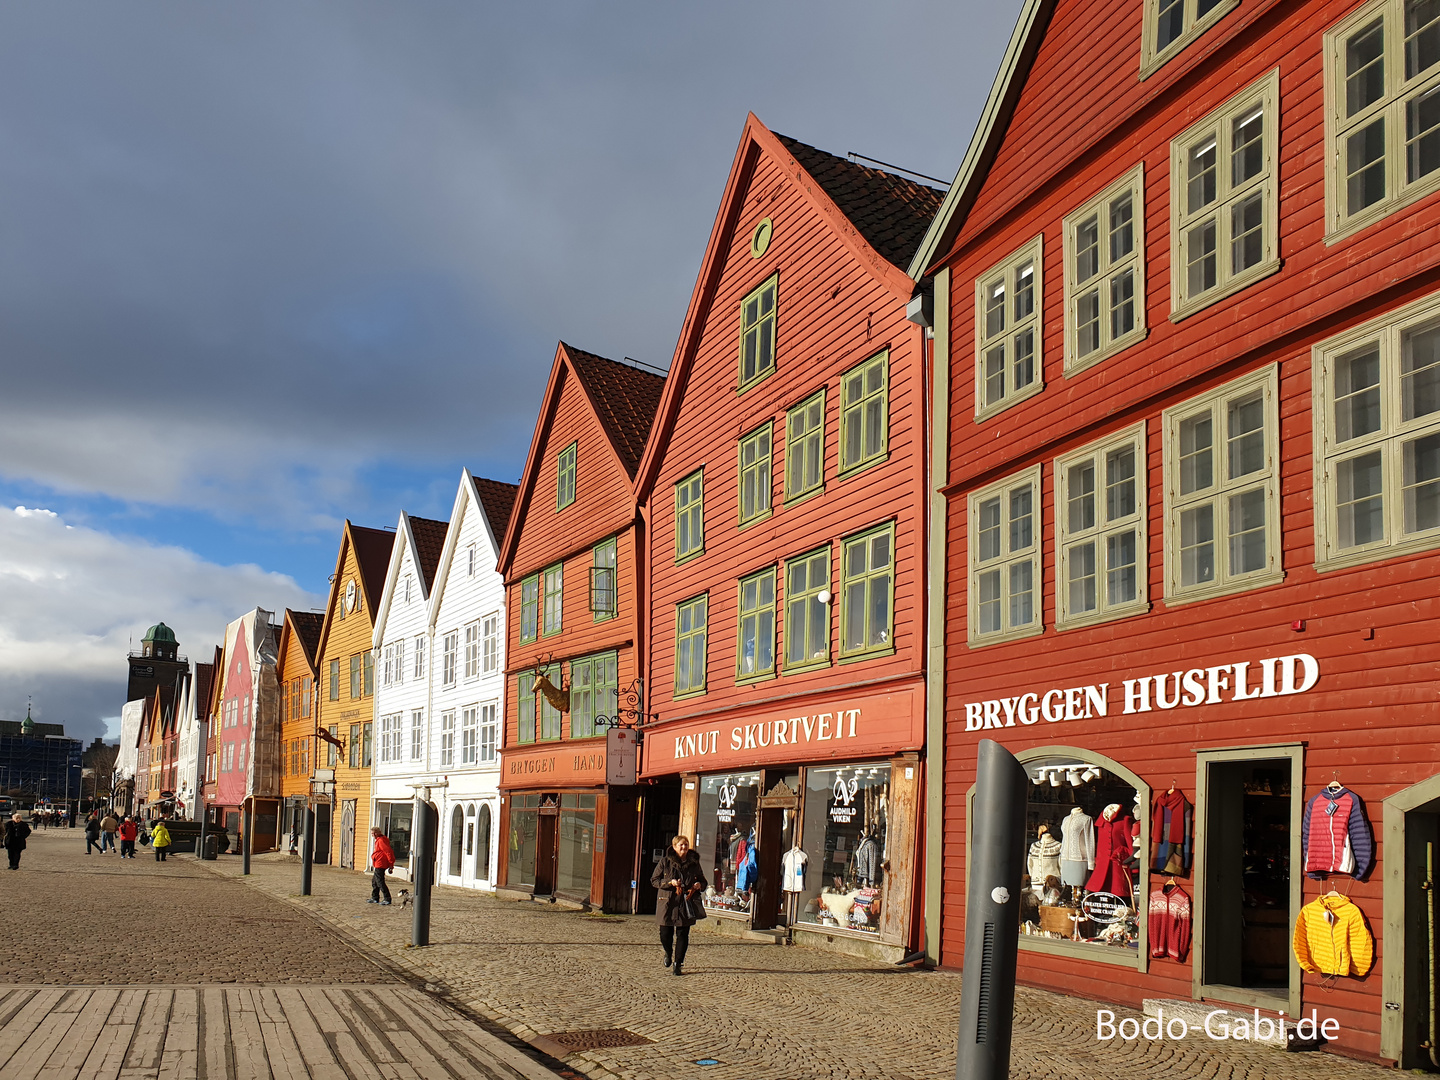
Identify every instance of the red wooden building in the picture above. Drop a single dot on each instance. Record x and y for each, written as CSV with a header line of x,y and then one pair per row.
x,y
1187,304
784,485
571,561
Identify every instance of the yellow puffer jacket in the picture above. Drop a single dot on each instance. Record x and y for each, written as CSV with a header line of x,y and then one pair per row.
x,y
160,835
1331,938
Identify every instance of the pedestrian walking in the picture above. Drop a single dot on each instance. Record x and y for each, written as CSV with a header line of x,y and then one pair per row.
x,y
382,858
127,832
679,882
16,833
108,824
160,840
92,834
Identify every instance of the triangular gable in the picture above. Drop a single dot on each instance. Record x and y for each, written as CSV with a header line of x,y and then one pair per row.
x,y
372,549
300,630
416,535
489,498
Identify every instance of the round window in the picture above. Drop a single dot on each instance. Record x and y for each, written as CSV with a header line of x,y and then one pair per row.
x,y
760,238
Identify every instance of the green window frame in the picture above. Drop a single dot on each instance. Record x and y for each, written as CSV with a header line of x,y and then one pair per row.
x,y
865,413
530,608
805,447
355,677
603,599
690,515
367,744
594,682
368,667
691,619
554,600
867,595
334,680
757,333
354,760
525,708
755,648
807,616
756,451
331,754
565,478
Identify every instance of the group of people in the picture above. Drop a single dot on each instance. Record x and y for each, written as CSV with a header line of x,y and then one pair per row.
x,y
45,817
102,834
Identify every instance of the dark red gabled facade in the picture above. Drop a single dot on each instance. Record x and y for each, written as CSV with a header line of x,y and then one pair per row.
x,y
1264,623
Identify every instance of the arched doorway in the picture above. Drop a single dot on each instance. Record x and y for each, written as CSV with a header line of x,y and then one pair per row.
x,y
457,832
482,844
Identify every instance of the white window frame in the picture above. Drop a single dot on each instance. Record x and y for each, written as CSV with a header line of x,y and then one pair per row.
x,y
1033,252
490,655
1006,558
449,655
417,734
489,733
1220,492
470,561
472,650
1194,24
1108,271
388,669
1219,125
409,581
447,738
419,656
1389,108
1067,539
1388,333
399,661
470,735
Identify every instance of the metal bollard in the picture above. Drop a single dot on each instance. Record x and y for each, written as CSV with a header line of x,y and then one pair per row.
x,y
249,822
422,862
307,849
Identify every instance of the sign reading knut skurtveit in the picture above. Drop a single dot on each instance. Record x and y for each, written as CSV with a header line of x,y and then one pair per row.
x,y
1246,680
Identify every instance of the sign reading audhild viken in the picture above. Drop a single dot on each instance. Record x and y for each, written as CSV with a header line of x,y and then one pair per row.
x,y
1275,676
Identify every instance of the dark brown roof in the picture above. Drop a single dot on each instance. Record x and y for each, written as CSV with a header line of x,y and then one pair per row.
x,y
12,727
308,625
497,498
625,398
890,212
429,543
372,553
203,674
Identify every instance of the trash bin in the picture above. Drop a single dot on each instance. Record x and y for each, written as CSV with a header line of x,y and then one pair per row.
x,y
212,846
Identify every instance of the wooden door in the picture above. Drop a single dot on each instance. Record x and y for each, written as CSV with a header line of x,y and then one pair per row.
x,y
546,850
322,833
347,834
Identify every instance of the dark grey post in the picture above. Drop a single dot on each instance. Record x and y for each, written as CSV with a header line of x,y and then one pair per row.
x,y
307,848
422,865
249,821
992,915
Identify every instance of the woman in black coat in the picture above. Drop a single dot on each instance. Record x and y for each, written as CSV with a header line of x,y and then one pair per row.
x,y
677,879
16,833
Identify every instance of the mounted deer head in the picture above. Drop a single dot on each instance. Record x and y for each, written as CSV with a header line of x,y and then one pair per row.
x,y
557,696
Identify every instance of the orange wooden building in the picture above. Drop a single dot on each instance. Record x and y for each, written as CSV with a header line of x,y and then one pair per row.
x,y
784,483
571,560
1187,305
296,669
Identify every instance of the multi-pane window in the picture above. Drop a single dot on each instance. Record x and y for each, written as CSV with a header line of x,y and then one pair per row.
x,y
471,560
529,702
1100,515
489,733
690,626
554,598
1004,524
867,597
470,735
334,680
602,580
390,730
755,654
805,446
565,481
409,588
1223,199
530,608
593,685
1382,76
354,746
447,737
367,667
449,652
367,738
331,753
1377,438
472,650
1105,273
1171,25
420,656
755,475
417,735
1007,331
865,413
807,613
356,677
757,334
306,696
490,653
388,672
400,661
1222,518
690,516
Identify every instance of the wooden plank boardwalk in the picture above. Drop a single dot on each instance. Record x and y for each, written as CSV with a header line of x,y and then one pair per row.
x,y
238,1032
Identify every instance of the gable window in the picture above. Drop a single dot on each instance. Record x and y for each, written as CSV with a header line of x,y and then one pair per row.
x,y
1004,593
1224,199
807,614
554,598
400,661
470,735
1222,523
472,650
755,475
867,597
690,624
1100,515
1105,273
689,516
757,334
490,657
447,737
489,733
755,653
593,685
565,481
805,447
334,680
417,735
1007,331
409,584
1377,438
865,413
1171,25
471,561
529,608
450,648
1382,79
388,672
356,677
602,581
420,656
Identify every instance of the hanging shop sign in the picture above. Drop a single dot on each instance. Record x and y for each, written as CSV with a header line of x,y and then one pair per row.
x,y
1276,676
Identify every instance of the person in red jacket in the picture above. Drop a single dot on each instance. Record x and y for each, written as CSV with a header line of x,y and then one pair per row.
x,y
128,832
382,858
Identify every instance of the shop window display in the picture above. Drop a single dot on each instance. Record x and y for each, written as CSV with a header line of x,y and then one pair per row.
x,y
524,833
844,848
726,827
1082,861
577,844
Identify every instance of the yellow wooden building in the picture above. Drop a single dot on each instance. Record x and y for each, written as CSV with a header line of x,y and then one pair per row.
x,y
296,665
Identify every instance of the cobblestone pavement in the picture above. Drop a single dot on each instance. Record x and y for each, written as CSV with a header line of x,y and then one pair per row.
x,y
764,1012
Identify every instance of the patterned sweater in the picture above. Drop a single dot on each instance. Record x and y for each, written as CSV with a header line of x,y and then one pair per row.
x,y
1169,925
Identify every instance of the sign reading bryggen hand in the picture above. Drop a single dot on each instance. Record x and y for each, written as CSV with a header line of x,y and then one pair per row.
x,y
1275,676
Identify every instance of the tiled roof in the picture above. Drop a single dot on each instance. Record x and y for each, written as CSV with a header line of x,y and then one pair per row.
x,y
890,212
372,553
308,625
12,727
203,674
498,500
625,398
429,543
